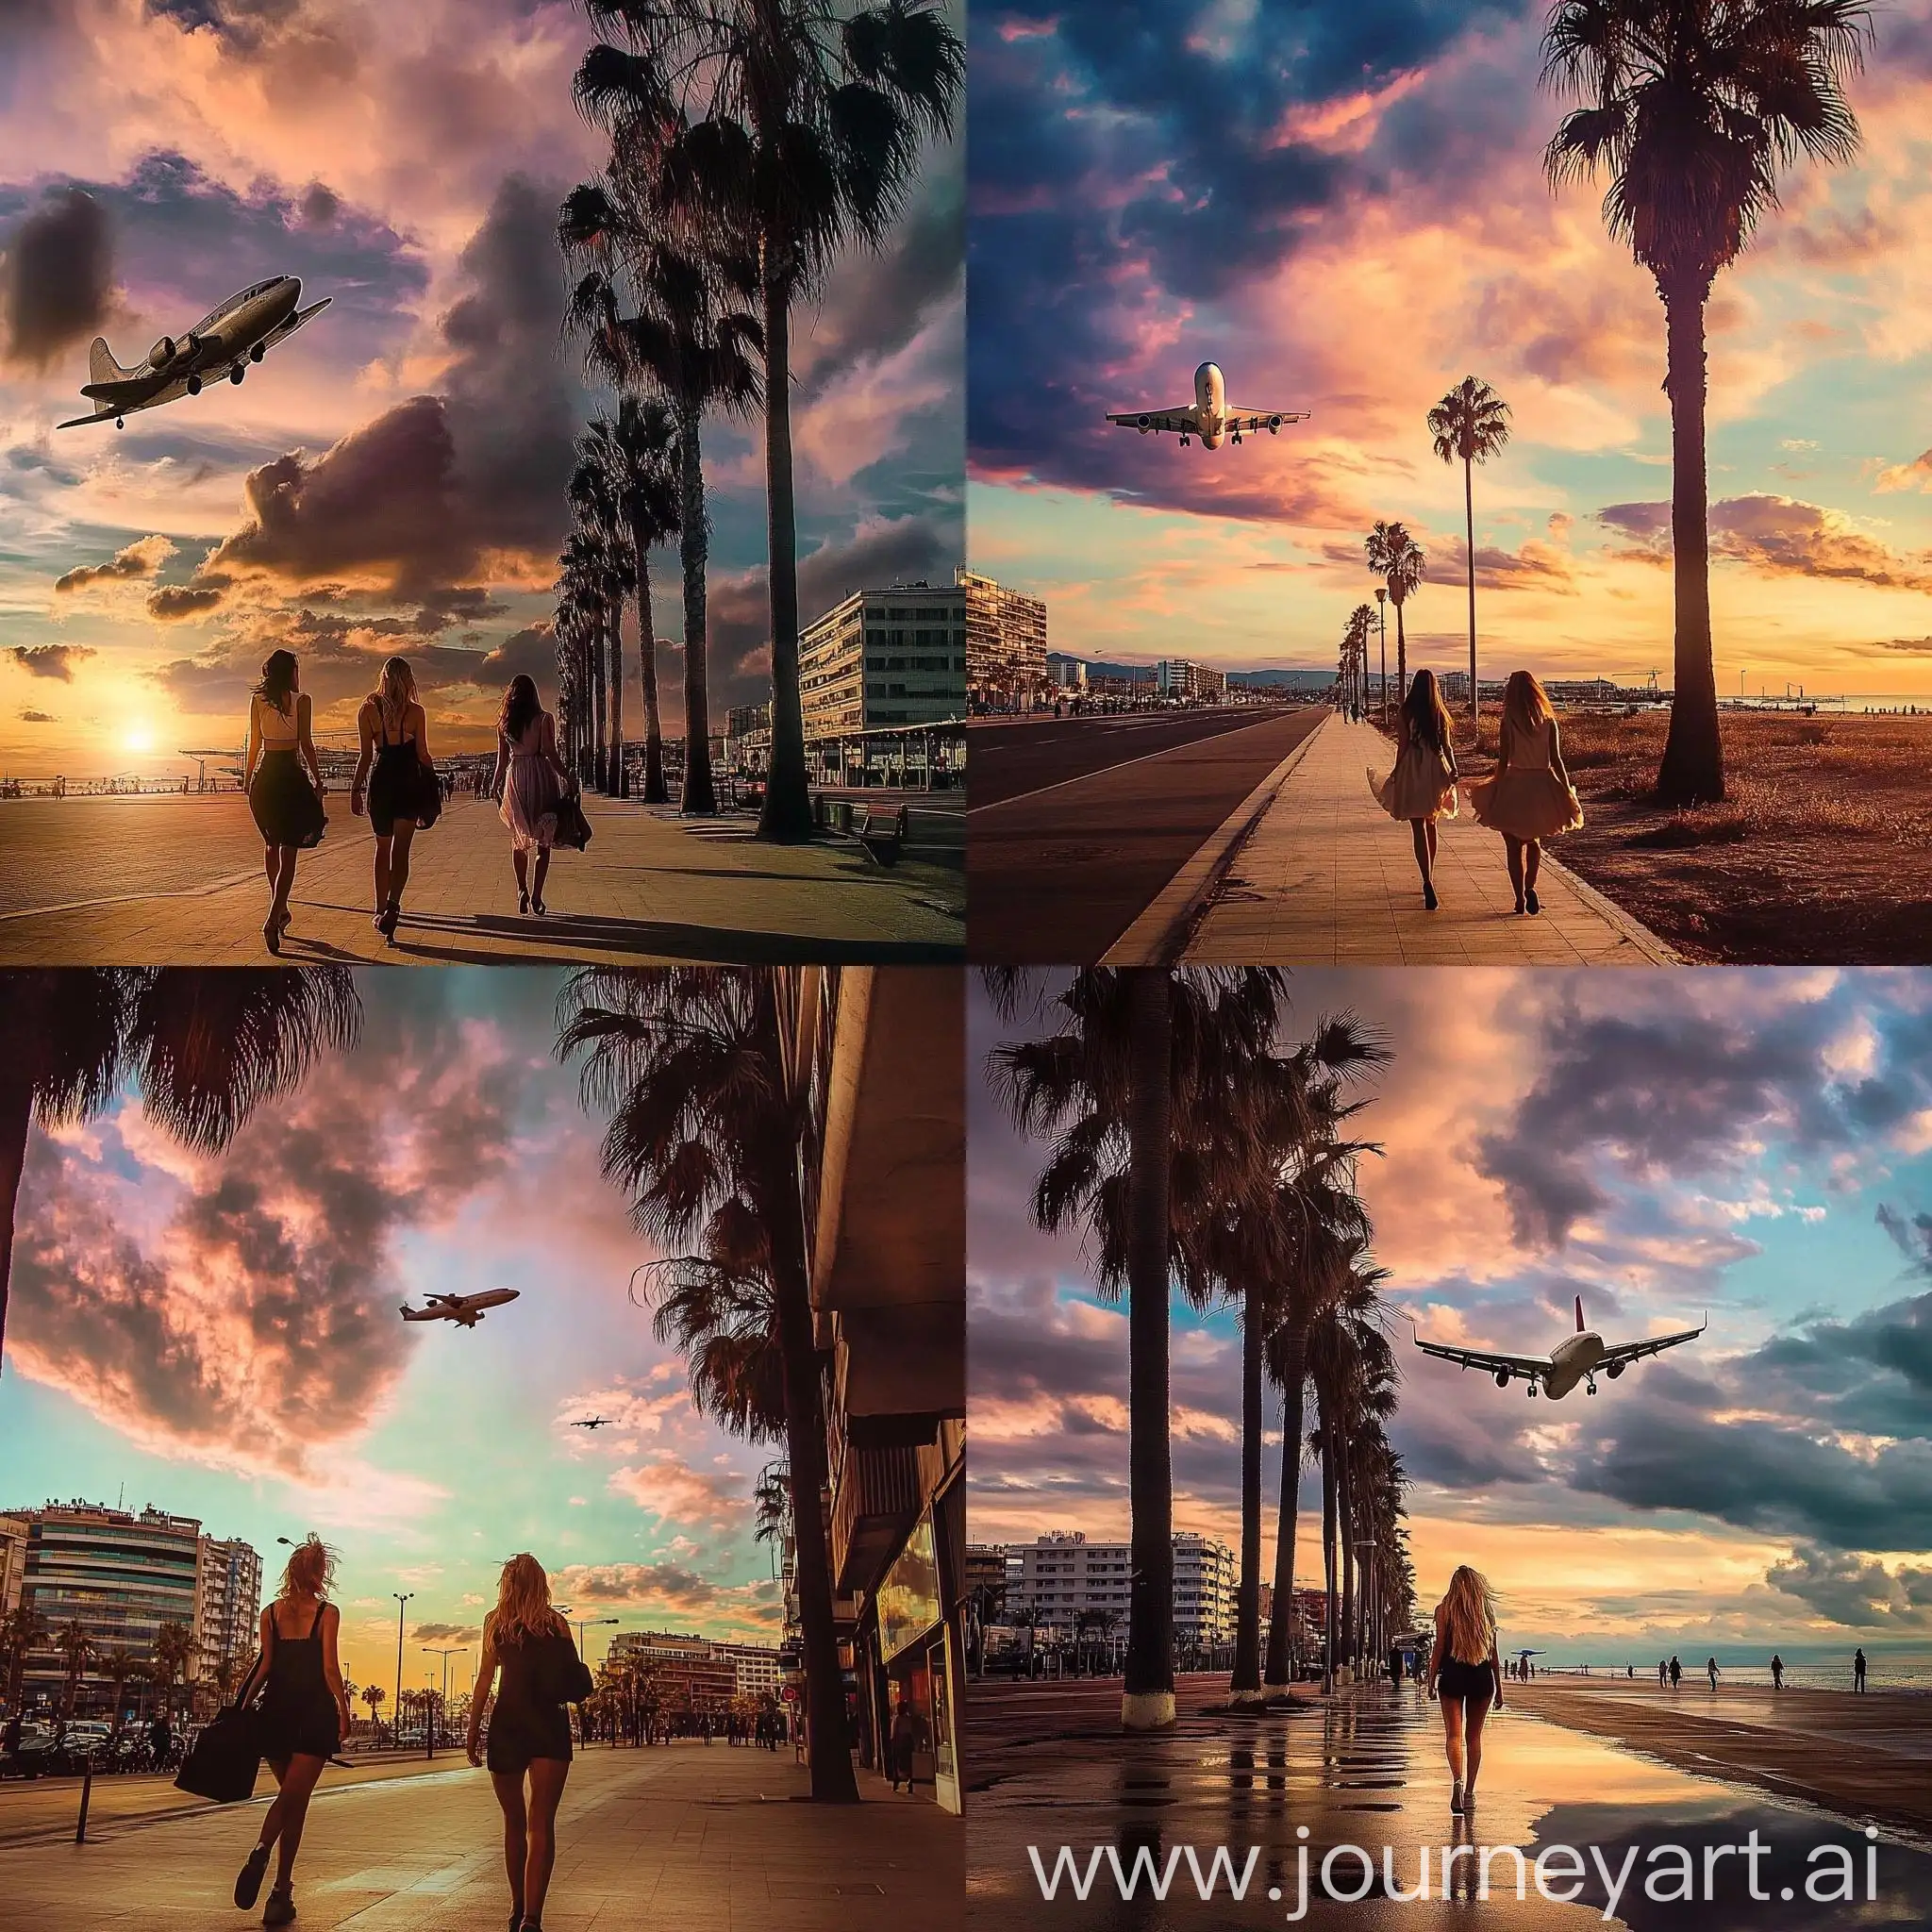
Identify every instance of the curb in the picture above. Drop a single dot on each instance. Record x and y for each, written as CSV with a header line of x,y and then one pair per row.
x,y
1159,935
1658,951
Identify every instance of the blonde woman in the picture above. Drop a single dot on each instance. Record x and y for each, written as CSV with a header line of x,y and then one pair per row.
x,y
529,1729
1421,787
1529,797
286,801
403,795
1465,1677
302,1718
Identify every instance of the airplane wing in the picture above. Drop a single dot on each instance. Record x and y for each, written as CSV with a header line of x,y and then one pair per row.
x,y
174,392
1655,1345
1247,420
1180,421
286,329
1482,1358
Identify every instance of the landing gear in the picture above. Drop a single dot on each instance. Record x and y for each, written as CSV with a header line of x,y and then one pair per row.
x,y
1184,442
1236,439
194,385
1589,1383
237,371
1531,1390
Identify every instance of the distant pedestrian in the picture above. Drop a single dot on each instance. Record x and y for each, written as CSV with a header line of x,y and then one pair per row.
x,y
904,1742
530,1727
1858,1670
1529,797
1777,1671
1422,787
1711,1665
403,795
9,1739
1663,1673
1677,1674
285,801
303,1719
1466,1677
161,1741
531,782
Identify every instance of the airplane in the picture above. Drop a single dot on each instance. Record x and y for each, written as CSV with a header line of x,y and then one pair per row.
x,y
466,1311
594,1421
227,341
1575,1359
1211,415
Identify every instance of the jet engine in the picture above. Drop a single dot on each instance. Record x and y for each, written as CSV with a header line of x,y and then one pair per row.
x,y
1502,1379
1615,1369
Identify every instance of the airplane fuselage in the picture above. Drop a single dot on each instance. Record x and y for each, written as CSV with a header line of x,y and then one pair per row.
x,y
1211,404
1573,1359
223,342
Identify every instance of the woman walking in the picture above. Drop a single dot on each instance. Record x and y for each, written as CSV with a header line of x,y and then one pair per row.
x,y
531,781
285,800
1529,797
1466,1677
403,795
1421,787
305,1712
530,1727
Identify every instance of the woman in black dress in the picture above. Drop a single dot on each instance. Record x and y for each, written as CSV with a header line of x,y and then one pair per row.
x,y
303,1716
403,795
286,800
529,1730
1466,1677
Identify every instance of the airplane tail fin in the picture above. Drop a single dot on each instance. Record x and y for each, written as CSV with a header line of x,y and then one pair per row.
x,y
101,365
1579,1314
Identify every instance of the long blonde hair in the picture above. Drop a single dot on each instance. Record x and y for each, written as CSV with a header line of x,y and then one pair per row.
x,y
522,1601
1525,704
396,692
1467,1611
309,1571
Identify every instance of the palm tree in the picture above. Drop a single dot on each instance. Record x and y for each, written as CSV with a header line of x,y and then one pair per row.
x,y
1355,644
636,450
1469,424
690,1065
688,343
1691,109
118,1666
599,517
372,1695
172,1654
793,128
1397,559
20,1630
205,1048
1138,1087
77,1650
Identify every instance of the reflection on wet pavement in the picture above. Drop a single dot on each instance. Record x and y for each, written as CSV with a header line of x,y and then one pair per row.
x,y
1302,1788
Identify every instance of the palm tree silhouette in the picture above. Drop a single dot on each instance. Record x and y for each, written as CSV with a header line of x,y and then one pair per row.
x,y
77,1650
1469,424
1396,557
794,127
205,1047
1690,109
688,343
172,1654
601,524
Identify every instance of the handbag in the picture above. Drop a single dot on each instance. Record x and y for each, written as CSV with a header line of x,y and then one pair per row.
x,y
225,1759
573,828
562,1676
429,795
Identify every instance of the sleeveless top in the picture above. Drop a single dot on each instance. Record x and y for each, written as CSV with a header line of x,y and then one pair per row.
x,y
294,1667
1534,754
530,745
386,747
268,713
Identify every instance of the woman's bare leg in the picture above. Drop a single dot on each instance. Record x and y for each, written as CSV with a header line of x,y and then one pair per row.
x,y
382,846
509,1795
399,861
272,1819
547,1788
521,859
1532,862
1451,1734
1478,1710
543,871
1514,849
1420,829
283,878
297,1783
1432,845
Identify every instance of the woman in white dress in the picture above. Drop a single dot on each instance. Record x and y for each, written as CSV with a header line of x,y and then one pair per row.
x,y
1421,787
531,782
1529,797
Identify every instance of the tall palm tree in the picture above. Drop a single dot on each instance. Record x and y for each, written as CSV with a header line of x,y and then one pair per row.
x,y
1138,1091
1470,426
1396,557
689,342
173,1658
1361,626
584,586
794,127
599,515
77,1650
205,1048
20,1630
688,1063
1690,110
636,450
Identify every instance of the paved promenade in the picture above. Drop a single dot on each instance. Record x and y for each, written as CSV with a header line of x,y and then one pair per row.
x,y
179,881
689,1837
1309,870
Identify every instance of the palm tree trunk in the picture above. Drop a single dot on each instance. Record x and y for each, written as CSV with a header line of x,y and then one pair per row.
x,y
1280,1624
1245,1685
596,746
1468,529
647,664
1401,657
694,548
786,815
1147,1695
1692,771
616,784
16,1120
1328,1606
1344,1500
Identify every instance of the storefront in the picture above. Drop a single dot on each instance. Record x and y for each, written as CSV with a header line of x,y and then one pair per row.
x,y
915,1673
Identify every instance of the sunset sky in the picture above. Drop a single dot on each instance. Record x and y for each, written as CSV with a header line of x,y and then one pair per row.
x,y
221,1339
1345,207
410,446
1756,1145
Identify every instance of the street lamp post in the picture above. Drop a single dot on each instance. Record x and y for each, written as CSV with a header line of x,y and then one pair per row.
x,y
402,1597
1382,604
455,1650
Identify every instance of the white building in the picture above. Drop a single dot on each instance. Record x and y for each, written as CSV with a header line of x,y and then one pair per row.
x,y
1063,1578
1183,680
12,1562
759,1674
228,1601
883,658
1205,1580
1006,643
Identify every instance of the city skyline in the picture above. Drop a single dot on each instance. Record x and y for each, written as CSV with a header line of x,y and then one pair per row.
x,y
394,477
1286,194
221,1337
1756,1143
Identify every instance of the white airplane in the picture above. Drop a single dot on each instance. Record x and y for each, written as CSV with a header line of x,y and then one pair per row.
x,y
1575,1359
466,1311
224,342
1211,415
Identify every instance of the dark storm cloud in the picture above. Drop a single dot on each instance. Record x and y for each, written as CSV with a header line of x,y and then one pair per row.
x,y
134,560
447,1633
50,661
320,205
530,653
57,278
1857,1593
174,603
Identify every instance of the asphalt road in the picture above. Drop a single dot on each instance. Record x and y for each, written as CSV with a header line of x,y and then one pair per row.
x,y
1075,824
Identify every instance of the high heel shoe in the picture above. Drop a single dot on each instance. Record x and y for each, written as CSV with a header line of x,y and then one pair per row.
x,y
272,934
523,903
537,907
1532,902
392,916
1429,899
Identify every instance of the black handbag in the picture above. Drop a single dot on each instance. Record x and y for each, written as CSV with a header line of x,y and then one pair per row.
x,y
562,1676
226,1758
429,795
573,828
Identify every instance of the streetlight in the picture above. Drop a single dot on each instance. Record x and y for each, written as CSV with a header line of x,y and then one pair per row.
x,y
582,1624
1382,603
402,1597
455,1650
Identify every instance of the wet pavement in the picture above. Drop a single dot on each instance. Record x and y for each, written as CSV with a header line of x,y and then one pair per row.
x,y
1367,1770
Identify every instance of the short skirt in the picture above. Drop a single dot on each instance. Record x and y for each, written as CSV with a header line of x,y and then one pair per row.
x,y
306,1726
531,794
517,1736
1526,805
402,788
1465,1681
287,807
1420,787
